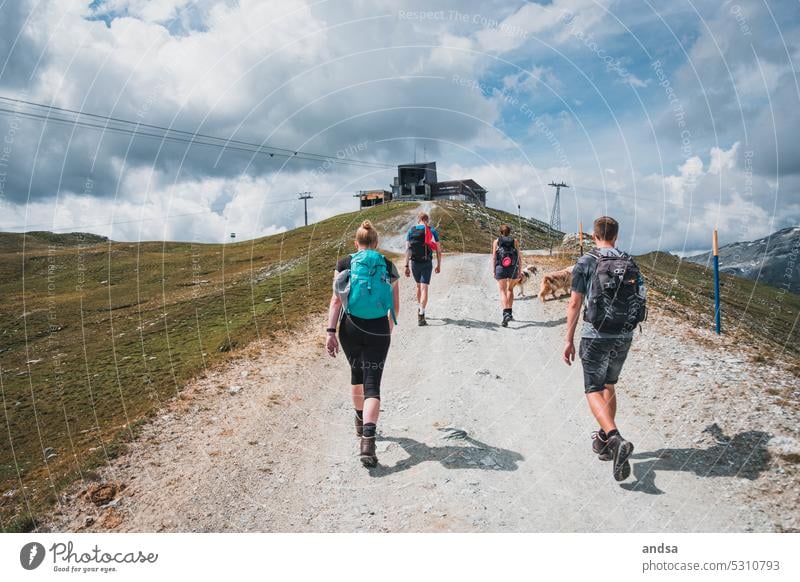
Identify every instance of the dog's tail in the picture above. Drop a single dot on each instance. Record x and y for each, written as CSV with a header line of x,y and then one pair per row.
x,y
543,289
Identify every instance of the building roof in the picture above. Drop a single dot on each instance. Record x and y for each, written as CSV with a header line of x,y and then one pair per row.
x,y
469,183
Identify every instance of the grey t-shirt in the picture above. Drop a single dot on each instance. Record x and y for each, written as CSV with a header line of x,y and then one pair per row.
x,y
581,279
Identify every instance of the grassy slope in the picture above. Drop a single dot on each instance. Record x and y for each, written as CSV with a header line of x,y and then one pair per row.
x,y
109,353
94,335
470,229
758,314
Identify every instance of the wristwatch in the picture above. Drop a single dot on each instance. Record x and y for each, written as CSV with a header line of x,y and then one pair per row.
x,y
330,330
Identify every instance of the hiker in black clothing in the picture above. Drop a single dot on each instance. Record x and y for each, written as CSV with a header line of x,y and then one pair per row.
x,y
365,294
608,283
505,264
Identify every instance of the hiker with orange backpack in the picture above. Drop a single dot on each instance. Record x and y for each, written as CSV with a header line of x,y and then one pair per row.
x,y
422,241
365,303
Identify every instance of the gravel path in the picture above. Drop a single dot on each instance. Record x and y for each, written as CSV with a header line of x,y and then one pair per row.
x,y
483,429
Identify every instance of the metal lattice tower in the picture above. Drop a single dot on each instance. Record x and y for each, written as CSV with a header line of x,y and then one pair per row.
x,y
555,216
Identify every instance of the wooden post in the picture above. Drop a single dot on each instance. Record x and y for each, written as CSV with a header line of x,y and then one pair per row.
x,y
715,252
580,237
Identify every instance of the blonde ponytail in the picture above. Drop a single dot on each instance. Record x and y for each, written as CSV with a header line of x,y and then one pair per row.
x,y
366,235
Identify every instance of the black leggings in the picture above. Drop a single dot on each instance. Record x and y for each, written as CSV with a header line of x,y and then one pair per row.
x,y
365,343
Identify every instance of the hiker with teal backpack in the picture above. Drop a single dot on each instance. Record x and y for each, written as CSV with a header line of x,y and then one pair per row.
x,y
365,304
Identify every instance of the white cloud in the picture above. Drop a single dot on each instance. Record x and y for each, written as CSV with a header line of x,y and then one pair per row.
x,y
674,211
322,76
635,81
739,84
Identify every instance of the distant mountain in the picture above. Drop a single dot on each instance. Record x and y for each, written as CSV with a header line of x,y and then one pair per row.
x,y
774,260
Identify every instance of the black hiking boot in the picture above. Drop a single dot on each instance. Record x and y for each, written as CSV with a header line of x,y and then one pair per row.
x,y
506,318
620,451
368,457
359,426
421,319
600,445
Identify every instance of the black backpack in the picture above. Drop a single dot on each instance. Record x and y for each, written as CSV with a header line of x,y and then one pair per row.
x,y
616,300
505,249
419,250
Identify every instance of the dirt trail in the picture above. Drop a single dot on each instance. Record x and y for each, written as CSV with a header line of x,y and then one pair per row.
x,y
280,454
395,242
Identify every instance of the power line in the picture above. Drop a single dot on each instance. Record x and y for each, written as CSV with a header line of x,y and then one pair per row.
x,y
73,117
254,148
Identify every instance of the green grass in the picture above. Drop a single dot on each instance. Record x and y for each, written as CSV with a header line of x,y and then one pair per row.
x,y
467,228
757,313
113,330
96,335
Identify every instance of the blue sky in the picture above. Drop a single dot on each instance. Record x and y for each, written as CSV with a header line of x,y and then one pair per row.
x,y
513,94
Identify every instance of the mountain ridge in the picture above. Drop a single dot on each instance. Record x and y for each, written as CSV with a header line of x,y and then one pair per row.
x,y
771,259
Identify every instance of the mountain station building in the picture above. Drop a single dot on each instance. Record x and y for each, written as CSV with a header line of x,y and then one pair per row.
x,y
420,182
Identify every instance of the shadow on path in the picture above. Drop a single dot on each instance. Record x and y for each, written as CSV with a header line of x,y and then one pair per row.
x,y
474,323
476,455
550,298
745,455
551,323
469,323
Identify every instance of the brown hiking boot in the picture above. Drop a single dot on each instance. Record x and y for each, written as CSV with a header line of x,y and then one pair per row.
x,y
621,451
359,425
421,319
368,457
600,445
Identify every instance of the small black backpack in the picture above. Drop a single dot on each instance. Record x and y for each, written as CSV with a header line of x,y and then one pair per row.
x,y
616,300
505,250
416,240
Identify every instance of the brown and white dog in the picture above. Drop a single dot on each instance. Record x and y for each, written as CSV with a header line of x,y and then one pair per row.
x,y
556,281
527,273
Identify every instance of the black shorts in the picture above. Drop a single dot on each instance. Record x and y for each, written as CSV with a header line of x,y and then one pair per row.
x,y
422,271
365,343
501,272
602,361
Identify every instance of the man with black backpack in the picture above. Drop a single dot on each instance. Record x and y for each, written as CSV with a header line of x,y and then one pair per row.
x,y
422,242
608,283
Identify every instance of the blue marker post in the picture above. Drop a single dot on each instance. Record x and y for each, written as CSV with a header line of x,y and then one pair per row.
x,y
717,319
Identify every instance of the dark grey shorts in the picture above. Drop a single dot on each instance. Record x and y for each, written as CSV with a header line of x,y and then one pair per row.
x,y
422,271
602,361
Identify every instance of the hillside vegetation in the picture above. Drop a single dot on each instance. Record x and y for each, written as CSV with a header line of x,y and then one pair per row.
x,y
756,313
468,228
95,335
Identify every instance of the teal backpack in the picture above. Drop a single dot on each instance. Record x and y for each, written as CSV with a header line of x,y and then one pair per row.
x,y
370,295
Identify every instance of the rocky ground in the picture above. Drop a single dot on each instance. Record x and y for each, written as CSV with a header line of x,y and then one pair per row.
x,y
483,429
